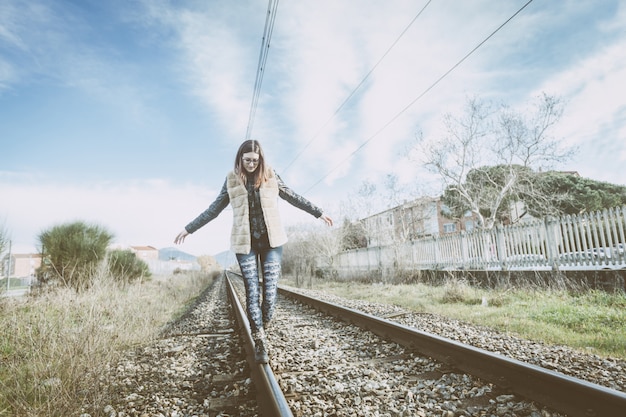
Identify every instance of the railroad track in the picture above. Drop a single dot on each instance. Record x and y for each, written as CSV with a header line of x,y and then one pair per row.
x,y
372,366
326,360
271,400
197,367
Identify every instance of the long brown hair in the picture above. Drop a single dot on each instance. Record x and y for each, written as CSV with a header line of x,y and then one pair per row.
x,y
261,174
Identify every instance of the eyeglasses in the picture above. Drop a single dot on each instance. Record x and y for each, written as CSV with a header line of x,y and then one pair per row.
x,y
250,161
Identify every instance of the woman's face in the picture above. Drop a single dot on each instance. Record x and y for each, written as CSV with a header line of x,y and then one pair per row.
x,y
250,161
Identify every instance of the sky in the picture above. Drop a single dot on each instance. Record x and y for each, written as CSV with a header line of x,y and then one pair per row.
x,y
128,113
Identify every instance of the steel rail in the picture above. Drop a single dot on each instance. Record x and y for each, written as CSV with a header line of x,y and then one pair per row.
x,y
270,398
572,396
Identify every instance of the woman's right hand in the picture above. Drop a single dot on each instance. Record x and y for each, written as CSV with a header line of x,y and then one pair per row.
x,y
180,238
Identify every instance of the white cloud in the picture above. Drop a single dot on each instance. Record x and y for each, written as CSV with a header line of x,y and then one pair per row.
x,y
594,89
213,60
320,52
142,212
595,112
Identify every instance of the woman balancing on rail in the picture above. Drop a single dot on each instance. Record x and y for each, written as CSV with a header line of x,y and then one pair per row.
x,y
252,189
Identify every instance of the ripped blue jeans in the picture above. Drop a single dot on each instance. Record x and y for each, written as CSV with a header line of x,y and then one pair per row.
x,y
259,314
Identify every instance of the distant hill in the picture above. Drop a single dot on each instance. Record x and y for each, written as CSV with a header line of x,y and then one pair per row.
x,y
225,259
173,254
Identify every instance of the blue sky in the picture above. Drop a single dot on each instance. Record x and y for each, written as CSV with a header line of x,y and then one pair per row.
x,y
128,113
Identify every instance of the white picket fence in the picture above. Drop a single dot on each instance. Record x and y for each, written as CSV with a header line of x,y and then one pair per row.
x,y
588,241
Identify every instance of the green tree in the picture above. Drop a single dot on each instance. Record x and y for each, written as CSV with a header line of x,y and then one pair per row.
x,y
485,185
125,267
71,253
571,194
543,194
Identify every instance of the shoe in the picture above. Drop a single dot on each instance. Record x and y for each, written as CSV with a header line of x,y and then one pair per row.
x,y
260,355
267,325
260,347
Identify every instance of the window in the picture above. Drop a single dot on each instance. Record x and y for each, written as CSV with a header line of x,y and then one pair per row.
x,y
445,210
469,225
449,227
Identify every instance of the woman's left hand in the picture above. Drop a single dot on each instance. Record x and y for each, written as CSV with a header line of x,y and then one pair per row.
x,y
326,219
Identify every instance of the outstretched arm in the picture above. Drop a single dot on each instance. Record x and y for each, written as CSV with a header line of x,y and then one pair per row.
x,y
300,202
206,216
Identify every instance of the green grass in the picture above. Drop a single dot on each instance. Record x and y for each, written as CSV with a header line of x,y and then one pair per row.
x,y
593,321
54,347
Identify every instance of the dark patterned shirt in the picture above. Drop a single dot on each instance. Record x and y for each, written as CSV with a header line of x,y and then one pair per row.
x,y
258,229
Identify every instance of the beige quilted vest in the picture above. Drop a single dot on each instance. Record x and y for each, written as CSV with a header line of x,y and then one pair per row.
x,y
238,195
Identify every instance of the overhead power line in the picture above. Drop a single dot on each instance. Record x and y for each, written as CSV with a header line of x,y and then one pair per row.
x,y
422,94
357,87
265,47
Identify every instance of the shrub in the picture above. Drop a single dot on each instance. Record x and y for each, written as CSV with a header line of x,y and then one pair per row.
x,y
459,291
71,253
125,267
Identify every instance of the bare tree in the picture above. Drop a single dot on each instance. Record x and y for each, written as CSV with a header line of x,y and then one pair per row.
x,y
4,238
295,261
373,198
311,251
485,137
325,243
300,254
4,243
208,263
361,203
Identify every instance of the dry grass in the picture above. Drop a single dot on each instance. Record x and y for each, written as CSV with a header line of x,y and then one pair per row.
x,y
52,345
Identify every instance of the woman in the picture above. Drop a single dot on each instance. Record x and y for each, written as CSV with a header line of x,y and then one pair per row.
x,y
252,189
